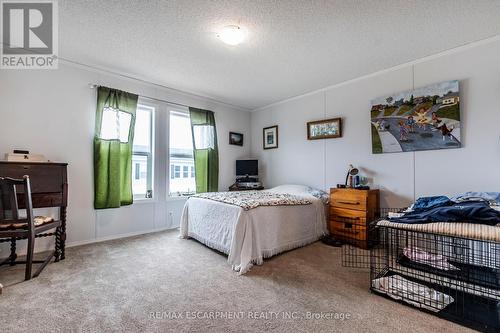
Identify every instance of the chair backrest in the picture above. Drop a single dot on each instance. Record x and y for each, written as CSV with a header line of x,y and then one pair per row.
x,y
9,207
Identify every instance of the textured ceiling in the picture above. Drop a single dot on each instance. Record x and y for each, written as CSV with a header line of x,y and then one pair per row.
x,y
294,46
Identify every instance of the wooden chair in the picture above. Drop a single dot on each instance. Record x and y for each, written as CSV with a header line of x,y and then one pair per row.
x,y
14,228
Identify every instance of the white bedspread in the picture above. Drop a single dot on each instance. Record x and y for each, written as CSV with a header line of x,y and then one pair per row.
x,y
247,237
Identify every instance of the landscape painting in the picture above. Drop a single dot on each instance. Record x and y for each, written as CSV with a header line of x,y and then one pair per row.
x,y
421,119
324,129
235,139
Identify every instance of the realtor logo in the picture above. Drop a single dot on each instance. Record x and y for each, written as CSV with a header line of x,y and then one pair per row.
x,y
29,34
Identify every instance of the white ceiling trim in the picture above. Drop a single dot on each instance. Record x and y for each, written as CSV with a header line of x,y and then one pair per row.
x,y
454,50
145,81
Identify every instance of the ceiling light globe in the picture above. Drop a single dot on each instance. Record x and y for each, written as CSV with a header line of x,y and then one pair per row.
x,y
232,35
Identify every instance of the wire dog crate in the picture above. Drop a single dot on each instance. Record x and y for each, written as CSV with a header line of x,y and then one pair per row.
x,y
357,256
456,278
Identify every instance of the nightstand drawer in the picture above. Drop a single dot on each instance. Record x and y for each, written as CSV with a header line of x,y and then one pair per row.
x,y
351,211
350,199
358,217
346,230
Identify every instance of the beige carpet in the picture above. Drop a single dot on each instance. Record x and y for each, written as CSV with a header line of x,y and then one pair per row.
x,y
117,285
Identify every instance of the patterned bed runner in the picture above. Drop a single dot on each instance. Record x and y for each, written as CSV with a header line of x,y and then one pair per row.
x,y
253,199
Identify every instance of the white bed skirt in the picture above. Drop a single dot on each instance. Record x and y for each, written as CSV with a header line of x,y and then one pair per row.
x,y
247,237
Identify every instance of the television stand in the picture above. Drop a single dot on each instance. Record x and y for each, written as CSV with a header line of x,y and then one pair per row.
x,y
236,187
247,179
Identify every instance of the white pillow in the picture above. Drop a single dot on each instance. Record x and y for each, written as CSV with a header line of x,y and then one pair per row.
x,y
302,190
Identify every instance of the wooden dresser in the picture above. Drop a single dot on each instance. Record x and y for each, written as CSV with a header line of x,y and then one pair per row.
x,y
351,211
49,188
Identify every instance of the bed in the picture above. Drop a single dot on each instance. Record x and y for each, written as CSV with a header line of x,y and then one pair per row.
x,y
248,233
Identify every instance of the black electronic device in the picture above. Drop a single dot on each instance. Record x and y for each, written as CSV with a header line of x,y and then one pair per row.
x,y
247,168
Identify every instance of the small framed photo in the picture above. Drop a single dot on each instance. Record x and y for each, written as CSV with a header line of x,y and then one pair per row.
x,y
324,129
270,137
235,139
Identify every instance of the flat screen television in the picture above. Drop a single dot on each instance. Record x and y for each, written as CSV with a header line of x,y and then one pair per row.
x,y
247,168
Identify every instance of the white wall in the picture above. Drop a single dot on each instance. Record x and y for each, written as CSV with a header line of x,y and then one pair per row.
x,y
52,112
400,176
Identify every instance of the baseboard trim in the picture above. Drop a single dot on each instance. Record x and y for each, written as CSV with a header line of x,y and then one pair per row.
x,y
45,248
114,237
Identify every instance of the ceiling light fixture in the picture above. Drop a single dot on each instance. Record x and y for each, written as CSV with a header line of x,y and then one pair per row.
x,y
232,35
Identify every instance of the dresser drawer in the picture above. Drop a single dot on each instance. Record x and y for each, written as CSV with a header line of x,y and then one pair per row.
x,y
346,230
44,178
350,199
358,217
42,200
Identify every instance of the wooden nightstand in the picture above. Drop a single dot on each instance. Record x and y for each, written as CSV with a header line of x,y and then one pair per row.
x,y
351,211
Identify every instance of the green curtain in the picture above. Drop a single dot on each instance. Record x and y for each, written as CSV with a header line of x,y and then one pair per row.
x,y
113,148
206,151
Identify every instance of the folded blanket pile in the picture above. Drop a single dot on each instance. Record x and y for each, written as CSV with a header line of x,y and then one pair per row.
x,y
431,202
491,197
423,257
419,295
470,207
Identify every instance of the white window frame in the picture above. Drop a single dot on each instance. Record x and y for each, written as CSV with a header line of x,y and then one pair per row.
x,y
153,108
182,112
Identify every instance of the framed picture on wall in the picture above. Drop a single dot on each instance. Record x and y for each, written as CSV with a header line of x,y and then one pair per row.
x,y
270,137
235,139
324,129
425,118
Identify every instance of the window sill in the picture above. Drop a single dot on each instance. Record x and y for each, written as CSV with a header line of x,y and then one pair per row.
x,y
144,201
